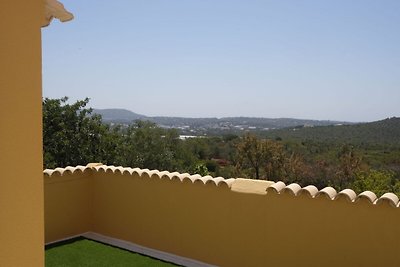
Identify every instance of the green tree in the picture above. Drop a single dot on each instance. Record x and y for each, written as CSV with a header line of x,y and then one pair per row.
x,y
140,143
349,164
201,169
145,145
259,154
296,170
71,134
377,181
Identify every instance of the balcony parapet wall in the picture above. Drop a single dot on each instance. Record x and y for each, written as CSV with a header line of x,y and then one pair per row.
x,y
225,222
235,184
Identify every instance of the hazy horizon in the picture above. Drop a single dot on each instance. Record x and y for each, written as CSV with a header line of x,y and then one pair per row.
x,y
161,115
318,60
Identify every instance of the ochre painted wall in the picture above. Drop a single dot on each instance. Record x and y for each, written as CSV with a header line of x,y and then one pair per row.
x,y
219,226
21,178
68,205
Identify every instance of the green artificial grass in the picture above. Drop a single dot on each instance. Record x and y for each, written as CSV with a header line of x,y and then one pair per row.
x,y
90,253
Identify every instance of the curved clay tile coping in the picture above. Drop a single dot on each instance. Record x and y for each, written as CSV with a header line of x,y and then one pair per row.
x,y
346,194
66,170
129,171
102,168
70,169
136,171
276,187
119,169
48,172
367,196
220,182
190,178
292,189
250,185
173,174
141,172
214,181
328,192
149,174
195,177
111,169
168,176
203,180
390,198
227,182
159,175
180,177
61,171
309,191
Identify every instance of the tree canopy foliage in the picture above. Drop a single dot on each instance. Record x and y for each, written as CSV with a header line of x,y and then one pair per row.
x,y
73,135
263,156
70,135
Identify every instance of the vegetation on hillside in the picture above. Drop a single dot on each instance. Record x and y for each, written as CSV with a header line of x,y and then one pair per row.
x,y
361,157
384,132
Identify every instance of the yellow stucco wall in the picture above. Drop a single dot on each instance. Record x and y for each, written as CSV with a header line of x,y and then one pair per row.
x,y
226,227
21,178
68,205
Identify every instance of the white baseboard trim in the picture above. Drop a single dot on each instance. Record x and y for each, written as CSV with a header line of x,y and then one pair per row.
x,y
145,250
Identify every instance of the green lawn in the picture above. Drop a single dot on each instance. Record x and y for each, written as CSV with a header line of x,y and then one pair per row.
x,y
90,253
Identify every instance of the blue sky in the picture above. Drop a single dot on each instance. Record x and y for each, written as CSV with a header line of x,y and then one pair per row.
x,y
337,60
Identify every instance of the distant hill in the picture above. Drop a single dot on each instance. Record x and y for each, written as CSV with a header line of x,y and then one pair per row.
x,y
195,124
118,115
240,121
379,132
